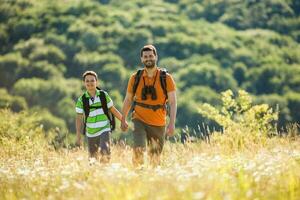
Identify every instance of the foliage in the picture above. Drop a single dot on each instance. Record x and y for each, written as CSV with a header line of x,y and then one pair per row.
x,y
21,134
15,103
9,65
206,74
293,104
250,45
188,115
273,79
243,124
278,103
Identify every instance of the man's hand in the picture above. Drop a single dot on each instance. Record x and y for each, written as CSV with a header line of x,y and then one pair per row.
x,y
126,107
124,125
170,129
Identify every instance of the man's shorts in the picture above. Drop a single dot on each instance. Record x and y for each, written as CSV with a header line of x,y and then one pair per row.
x,y
101,141
155,136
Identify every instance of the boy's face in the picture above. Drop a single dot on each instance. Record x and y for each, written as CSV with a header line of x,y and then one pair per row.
x,y
90,82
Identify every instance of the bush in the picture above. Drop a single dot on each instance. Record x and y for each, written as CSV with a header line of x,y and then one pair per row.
x,y
20,134
243,124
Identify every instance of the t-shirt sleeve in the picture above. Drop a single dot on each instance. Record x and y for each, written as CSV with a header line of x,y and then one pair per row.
x,y
79,106
130,84
109,101
171,86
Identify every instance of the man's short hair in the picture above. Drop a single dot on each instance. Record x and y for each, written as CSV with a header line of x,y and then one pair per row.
x,y
148,47
89,73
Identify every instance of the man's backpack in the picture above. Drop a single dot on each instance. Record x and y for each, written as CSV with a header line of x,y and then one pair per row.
x,y
162,78
86,109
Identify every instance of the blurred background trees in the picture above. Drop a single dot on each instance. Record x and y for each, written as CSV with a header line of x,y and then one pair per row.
x,y
209,46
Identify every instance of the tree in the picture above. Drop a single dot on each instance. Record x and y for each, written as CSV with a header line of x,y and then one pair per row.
x,y
273,79
40,92
130,45
15,103
188,115
206,75
294,105
9,66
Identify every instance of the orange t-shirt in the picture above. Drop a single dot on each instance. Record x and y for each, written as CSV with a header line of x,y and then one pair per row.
x,y
146,115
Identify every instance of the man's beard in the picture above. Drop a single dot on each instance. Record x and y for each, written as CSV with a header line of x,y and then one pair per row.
x,y
149,64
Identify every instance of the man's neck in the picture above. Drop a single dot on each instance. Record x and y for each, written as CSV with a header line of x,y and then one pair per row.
x,y
150,71
92,93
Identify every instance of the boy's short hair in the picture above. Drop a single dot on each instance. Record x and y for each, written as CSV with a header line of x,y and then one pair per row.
x,y
148,47
89,73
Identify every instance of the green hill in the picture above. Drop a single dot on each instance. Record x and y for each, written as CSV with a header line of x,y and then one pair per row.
x,y
209,47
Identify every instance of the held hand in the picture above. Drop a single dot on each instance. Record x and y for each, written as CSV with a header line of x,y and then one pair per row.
x,y
170,129
124,125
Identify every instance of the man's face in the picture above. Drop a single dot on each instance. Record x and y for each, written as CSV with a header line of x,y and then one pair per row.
x,y
90,82
149,59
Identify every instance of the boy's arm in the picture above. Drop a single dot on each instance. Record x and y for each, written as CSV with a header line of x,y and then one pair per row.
x,y
79,120
116,113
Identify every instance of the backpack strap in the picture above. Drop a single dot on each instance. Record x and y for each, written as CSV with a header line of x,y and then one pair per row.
x,y
163,81
86,106
162,77
137,80
106,111
86,109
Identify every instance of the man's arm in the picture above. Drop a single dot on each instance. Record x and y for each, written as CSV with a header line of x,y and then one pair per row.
x,y
125,110
173,110
79,120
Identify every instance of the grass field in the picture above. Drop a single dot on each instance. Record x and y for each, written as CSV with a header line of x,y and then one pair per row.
x,y
242,163
192,171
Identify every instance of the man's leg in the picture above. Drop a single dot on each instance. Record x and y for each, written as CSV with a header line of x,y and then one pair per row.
x,y
155,138
105,147
139,142
93,146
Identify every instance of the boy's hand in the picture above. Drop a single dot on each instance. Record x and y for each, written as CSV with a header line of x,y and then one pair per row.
x,y
79,142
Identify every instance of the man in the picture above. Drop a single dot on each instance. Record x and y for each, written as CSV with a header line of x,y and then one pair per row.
x,y
149,108
97,124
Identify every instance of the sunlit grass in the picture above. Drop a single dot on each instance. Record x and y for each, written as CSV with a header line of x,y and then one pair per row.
x,y
192,171
30,168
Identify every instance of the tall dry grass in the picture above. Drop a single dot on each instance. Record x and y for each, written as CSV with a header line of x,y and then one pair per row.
x,y
31,169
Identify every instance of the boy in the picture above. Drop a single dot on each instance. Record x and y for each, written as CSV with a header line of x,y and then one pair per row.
x,y
97,123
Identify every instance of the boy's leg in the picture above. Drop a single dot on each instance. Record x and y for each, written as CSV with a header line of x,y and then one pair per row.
x,y
155,140
93,146
139,142
105,147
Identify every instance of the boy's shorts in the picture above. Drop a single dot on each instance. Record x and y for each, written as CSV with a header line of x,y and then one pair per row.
x,y
101,141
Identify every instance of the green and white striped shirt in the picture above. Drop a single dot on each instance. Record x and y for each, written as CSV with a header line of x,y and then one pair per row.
x,y
97,122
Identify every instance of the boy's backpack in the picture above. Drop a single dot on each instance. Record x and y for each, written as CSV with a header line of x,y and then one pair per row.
x,y
86,108
162,78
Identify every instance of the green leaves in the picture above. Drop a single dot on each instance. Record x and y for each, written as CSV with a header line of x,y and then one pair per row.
x,y
206,74
209,46
15,103
243,122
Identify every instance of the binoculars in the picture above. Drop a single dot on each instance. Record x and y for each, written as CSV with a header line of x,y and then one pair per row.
x,y
149,90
